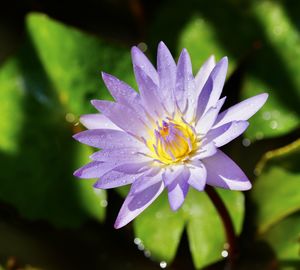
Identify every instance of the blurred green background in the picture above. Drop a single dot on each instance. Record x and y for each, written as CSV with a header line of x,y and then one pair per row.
x,y
51,55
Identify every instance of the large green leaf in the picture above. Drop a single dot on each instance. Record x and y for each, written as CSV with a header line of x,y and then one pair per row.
x,y
44,89
275,68
259,40
160,229
275,190
284,238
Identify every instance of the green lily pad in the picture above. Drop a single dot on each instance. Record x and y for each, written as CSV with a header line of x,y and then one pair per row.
x,y
275,68
160,229
275,190
44,89
284,239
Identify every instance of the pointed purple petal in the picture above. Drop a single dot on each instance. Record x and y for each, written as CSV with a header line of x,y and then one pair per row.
x,y
206,150
141,61
123,116
120,91
203,74
197,177
114,179
134,167
134,204
97,121
94,169
120,154
223,172
243,110
149,93
172,173
185,85
145,181
207,120
213,88
178,188
166,68
107,139
226,133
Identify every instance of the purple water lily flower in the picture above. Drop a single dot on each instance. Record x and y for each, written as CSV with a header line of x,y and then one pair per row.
x,y
167,135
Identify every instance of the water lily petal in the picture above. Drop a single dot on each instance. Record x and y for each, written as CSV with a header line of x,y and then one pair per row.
x,y
139,60
121,91
134,167
128,120
207,120
114,179
94,169
97,121
120,154
107,139
166,68
178,188
145,181
224,172
136,203
149,94
242,111
197,177
212,89
207,149
226,133
203,74
185,84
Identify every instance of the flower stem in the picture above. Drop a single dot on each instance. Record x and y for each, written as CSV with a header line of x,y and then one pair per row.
x,y
227,222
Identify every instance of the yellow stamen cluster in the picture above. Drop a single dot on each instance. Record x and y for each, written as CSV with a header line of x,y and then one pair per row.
x,y
172,141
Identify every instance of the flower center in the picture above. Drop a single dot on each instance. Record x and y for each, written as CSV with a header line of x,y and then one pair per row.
x,y
172,141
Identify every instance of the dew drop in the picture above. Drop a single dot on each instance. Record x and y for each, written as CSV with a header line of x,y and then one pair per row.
x,y
259,135
274,124
142,46
246,142
266,115
275,113
137,241
147,253
141,247
224,253
163,264
226,246
70,117
104,203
